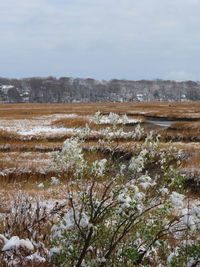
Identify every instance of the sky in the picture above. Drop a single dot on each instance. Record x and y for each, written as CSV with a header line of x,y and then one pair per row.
x,y
101,39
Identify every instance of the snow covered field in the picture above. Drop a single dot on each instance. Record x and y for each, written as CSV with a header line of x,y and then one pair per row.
x,y
42,125
44,128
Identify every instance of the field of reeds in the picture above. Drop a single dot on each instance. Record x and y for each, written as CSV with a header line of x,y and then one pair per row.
x,y
159,109
29,131
32,137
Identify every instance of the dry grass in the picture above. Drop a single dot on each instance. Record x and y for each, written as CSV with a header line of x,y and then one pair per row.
x,y
183,130
76,122
193,163
6,135
180,135
185,125
12,142
31,166
27,170
160,109
30,145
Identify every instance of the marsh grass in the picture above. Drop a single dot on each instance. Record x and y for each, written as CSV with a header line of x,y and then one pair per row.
x,y
29,145
181,134
184,131
74,122
81,122
8,135
28,210
185,125
164,109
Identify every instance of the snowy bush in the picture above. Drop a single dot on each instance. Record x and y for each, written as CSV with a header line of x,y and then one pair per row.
x,y
112,118
71,157
128,213
115,128
24,240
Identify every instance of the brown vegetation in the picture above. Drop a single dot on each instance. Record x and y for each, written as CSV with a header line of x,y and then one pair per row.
x,y
6,135
182,131
12,142
159,109
185,125
20,172
74,122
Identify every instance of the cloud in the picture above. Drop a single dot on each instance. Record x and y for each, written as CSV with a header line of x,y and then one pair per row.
x,y
104,39
181,76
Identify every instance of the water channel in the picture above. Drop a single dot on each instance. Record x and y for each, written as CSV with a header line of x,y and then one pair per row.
x,y
162,123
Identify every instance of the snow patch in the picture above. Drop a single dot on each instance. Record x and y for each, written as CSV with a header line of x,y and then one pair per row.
x,y
14,243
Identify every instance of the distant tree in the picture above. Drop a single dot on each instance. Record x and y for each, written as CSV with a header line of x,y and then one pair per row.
x,y
13,95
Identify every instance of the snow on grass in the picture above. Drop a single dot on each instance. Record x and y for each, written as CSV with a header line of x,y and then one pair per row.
x,y
42,126
36,127
14,162
46,130
33,127
36,258
14,243
107,120
113,118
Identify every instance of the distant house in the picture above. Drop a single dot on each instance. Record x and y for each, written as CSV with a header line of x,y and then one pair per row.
x,y
140,97
5,88
183,98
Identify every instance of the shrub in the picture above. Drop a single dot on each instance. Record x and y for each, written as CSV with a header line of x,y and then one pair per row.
x,y
25,232
127,213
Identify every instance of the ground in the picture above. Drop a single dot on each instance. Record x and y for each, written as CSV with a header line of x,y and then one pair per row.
x,y
31,135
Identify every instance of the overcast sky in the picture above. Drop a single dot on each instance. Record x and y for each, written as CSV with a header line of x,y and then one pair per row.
x,y
103,39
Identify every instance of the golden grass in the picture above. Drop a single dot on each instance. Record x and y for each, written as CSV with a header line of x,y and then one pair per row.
x,y
10,142
185,125
194,162
30,145
160,109
180,135
76,122
29,156
26,174
182,130
7,135
80,122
